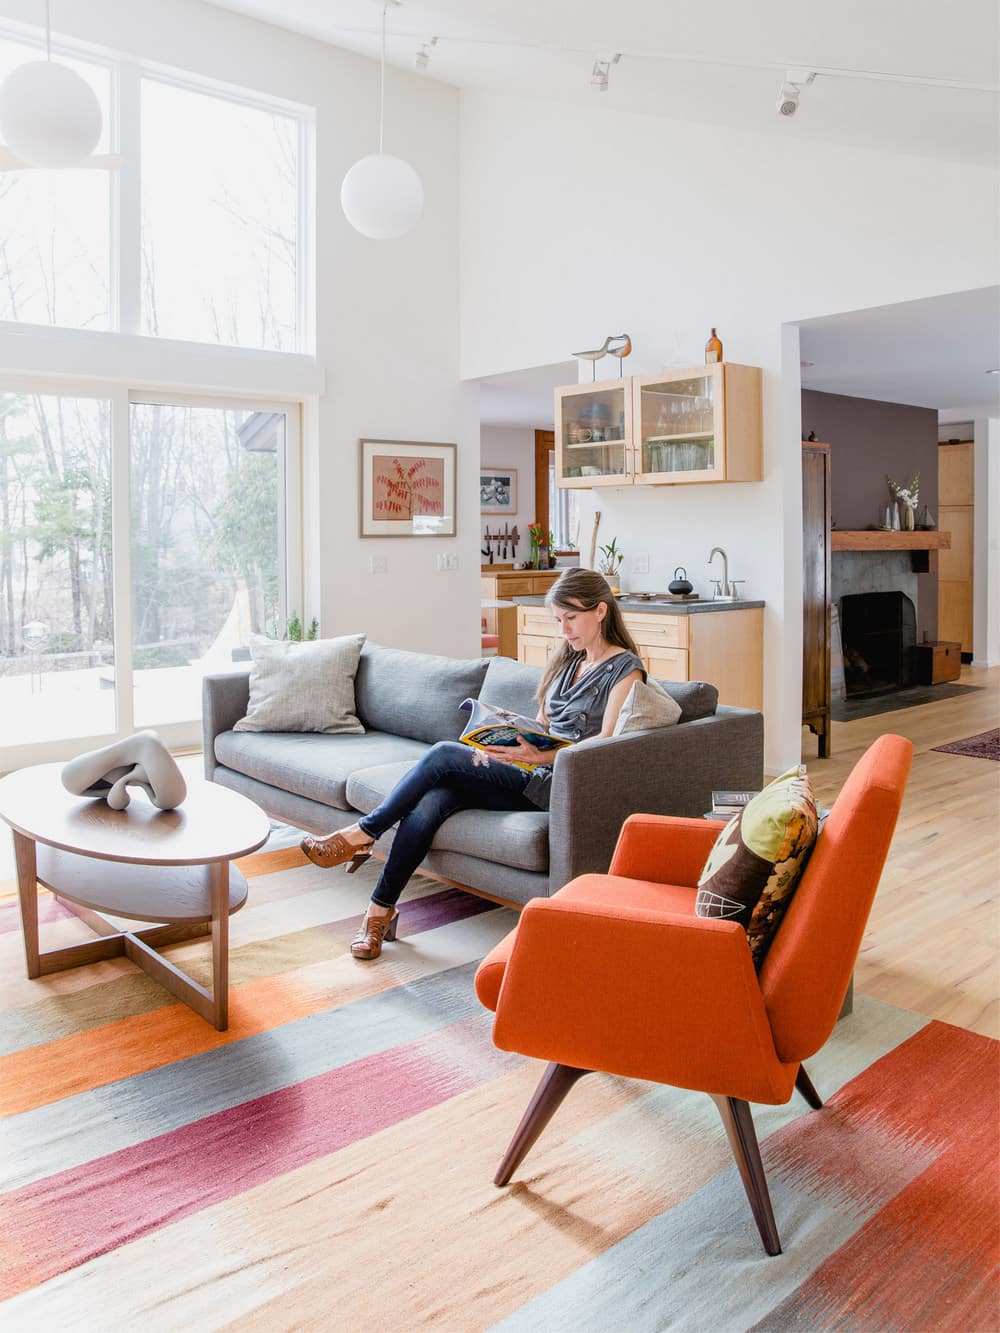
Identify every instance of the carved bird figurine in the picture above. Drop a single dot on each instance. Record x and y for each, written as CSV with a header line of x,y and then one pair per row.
x,y
595,354
622,347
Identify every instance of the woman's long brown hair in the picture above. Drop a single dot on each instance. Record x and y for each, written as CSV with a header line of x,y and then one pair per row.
x,y
583,590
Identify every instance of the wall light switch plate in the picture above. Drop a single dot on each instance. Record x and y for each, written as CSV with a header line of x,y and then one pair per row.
x,y
447,560
640,564
379,564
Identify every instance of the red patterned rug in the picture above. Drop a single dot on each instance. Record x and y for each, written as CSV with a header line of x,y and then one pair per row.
x,y
984,746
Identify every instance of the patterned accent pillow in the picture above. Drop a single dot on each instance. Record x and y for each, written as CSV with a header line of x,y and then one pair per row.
x,y
303,686
754,868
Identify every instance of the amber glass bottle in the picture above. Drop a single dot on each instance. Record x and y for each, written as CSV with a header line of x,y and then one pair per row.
x,y
713,350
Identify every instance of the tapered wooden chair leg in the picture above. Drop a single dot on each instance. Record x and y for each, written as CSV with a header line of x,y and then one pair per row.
x,y
743,1140
804,1084
548,1097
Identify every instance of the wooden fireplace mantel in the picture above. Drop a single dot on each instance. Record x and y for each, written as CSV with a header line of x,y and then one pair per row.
x,y
922,546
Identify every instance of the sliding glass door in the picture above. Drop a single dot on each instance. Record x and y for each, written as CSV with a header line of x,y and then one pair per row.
x,y
143,539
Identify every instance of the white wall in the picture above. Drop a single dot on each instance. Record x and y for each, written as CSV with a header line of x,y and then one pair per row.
x,y
387,313
514,447
577,224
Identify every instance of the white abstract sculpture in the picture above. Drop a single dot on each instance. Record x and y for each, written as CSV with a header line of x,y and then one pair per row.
x,y
141,760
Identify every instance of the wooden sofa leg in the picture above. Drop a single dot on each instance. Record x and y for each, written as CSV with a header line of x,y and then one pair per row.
x,y
548,1097
804,1084
743,1140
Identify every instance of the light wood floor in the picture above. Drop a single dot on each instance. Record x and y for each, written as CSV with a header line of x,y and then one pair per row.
x,y
932,940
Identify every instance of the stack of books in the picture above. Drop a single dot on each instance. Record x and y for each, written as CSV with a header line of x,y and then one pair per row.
x,y
725,804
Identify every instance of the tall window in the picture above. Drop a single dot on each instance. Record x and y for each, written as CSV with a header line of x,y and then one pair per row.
x,y
208,248
56,578
55,227
219,220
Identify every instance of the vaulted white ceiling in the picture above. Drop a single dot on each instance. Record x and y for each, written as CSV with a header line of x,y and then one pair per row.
x,y
917,76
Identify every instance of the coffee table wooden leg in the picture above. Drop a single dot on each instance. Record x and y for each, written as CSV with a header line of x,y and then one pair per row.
x,y
219,877
27,892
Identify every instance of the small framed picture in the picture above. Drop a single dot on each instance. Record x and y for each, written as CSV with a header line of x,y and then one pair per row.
x,y
407,489
498,490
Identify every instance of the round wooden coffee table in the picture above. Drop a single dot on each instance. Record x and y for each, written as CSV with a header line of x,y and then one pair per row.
x,y
143,864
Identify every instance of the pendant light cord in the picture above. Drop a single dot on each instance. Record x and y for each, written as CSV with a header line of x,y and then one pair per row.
x,y
48,29
381,90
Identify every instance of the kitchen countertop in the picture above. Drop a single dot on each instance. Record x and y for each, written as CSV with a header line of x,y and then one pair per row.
x,y
659,608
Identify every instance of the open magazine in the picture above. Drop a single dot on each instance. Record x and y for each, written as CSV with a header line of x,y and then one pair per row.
x,y
490,725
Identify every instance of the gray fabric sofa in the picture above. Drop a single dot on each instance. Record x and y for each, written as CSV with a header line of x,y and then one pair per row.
x,y
407,701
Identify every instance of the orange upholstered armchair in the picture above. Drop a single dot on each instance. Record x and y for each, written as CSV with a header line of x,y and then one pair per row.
x,y
616,973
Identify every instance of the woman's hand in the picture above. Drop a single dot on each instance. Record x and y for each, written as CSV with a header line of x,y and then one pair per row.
x,y
521,753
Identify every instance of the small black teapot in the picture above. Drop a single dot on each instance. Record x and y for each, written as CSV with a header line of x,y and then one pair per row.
x,y
679,585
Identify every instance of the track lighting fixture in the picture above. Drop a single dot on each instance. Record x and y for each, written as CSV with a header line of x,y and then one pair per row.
x,y
791,90
424,53
599,74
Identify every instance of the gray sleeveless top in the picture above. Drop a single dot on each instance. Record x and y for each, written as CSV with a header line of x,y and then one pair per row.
x,y
575,709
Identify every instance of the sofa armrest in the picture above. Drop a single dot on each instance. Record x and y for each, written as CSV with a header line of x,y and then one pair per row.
x,y
597,784
224,699
664,849
641,993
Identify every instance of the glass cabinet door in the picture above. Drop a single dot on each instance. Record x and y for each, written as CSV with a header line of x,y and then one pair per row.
x,y
679,426
593,434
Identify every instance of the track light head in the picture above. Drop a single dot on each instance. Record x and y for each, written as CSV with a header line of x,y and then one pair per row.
x,y
599,74
424,53
791,90
788,99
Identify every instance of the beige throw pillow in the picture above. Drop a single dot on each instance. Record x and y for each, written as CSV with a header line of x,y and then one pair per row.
x,y
303,686
646,706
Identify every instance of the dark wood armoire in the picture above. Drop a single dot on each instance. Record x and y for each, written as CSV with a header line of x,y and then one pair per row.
x,y
816,592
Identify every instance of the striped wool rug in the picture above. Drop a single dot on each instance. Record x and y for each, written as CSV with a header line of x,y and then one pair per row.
x,y
326,1163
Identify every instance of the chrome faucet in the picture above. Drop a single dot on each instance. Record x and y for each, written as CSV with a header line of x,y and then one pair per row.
x,y
717,550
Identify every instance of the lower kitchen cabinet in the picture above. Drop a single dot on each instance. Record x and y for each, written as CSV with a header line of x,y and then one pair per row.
x,y
724,648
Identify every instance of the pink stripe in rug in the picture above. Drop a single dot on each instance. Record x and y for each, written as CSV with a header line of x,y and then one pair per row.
x,y
56,1224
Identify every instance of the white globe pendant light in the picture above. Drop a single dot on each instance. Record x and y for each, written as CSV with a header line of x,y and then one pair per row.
x,y
382,196
49,115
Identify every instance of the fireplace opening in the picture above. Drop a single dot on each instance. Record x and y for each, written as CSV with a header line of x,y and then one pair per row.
x,y
879,631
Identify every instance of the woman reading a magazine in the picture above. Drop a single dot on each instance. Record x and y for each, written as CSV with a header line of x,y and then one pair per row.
x,y
580,696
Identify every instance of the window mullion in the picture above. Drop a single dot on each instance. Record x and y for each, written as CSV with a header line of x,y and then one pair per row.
x,y
121,546
127,265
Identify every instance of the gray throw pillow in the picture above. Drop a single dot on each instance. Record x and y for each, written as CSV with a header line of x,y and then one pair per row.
x,y
303,686
646,707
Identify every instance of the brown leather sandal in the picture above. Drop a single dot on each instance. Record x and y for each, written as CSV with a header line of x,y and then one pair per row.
x,y
334,850
367,943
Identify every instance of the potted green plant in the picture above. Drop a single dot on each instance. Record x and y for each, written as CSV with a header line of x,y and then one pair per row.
x,y
611,560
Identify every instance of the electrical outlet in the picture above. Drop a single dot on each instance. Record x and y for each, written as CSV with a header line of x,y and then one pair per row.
x,y
640,564
379,564
447,560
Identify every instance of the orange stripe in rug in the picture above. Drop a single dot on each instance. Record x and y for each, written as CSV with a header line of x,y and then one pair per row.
x,y
39,1075
266,863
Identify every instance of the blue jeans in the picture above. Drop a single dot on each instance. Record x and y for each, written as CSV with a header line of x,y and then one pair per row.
x,y
445,780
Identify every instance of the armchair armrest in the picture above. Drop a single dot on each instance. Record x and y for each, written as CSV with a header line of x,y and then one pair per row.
x,y
641,993
664,849
224,699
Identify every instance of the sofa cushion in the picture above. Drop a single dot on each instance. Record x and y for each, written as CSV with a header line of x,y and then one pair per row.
x,y
646,707
518,838
696,698
511,685
416,695
303,686
307,764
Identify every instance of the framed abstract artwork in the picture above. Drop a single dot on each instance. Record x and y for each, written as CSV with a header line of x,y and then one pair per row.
x,y
407,489
498,490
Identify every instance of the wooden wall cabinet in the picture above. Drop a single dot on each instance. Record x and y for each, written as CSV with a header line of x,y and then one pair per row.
x,y
956,514
674,428
724,648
